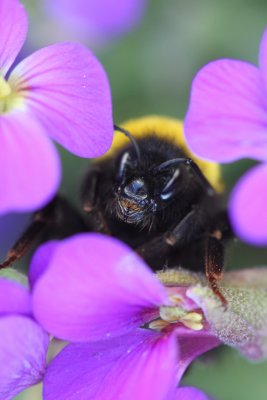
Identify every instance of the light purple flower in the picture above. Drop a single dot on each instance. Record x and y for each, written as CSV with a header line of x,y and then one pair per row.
x,y
227,121
100,20
59,92
95,292
23,344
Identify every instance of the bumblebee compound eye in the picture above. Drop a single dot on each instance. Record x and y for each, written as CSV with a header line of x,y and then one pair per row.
x,y
170,186
136,189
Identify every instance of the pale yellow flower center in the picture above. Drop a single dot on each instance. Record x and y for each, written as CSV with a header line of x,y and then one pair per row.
x,y
9,98
177,314
5,89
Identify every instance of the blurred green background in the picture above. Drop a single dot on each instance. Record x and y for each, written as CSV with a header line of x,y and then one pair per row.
x,y
150,71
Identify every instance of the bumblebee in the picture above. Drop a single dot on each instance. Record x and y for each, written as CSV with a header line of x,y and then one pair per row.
x,y
152,193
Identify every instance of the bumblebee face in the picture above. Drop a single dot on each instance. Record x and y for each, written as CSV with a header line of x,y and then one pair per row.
x,y
142,190
134,201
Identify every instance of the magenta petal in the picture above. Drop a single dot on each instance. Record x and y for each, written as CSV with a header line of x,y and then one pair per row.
x,y
30,169
247,206
23,349
227,117
95,287
263,56
13,29
68,90
191,345
141,365
14,298
40,261
190,393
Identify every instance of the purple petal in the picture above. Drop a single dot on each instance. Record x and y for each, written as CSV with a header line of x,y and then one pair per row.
x,y
40,261
30,169
23,349
95,287
190,393
191,345
248,206
14,298
263,56
14,25
227,117
102,19
140,366
68,90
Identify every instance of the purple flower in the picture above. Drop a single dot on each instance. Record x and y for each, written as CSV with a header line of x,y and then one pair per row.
x,y
59,92
227,121
23,344
95,292
102,19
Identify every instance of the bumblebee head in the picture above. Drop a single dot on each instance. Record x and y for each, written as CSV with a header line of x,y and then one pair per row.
x,y
145,183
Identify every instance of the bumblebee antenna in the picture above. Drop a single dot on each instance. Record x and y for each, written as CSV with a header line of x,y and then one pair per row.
x,y
131,138
187,161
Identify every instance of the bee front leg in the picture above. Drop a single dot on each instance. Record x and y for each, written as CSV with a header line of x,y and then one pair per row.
x,y
57,219
160,247
25,241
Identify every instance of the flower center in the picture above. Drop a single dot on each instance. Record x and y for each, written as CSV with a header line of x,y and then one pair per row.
x,y
5,89
177,314
8,98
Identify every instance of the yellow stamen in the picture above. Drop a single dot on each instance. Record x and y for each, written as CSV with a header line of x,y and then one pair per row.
x,y
158,324
172,314
193,316
192,320
195,326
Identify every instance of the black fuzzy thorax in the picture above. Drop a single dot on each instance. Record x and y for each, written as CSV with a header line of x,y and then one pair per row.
x,y
154,151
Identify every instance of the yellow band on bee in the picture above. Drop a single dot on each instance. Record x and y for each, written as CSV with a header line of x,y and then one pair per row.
x,y
168,129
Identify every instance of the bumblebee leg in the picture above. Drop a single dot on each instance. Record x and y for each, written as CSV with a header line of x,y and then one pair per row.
x,y
214,261
24,242
58,215
198,221
94,215
155,252
160,247
191,229
187,229
39,222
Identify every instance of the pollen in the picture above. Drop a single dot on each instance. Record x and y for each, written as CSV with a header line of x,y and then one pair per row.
x,y
176,299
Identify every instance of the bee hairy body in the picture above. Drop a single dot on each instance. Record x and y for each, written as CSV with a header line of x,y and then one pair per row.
x,y
159,139
152,193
